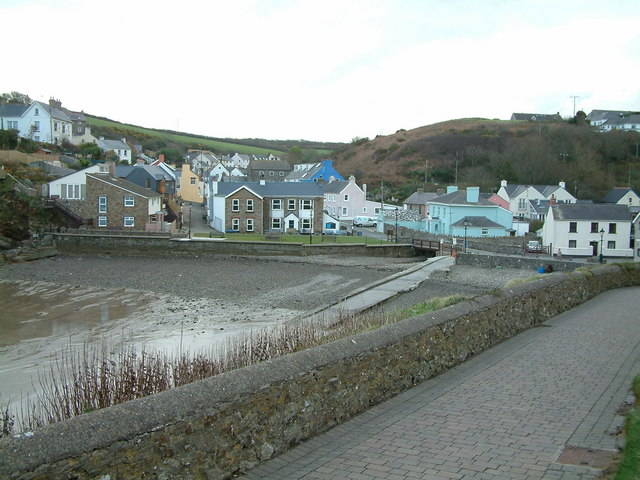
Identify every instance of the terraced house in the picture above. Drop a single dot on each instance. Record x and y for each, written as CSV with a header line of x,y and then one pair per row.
x,y
262,207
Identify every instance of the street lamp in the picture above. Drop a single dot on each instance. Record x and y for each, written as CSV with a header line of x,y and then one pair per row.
x,y
464,248
601,244
396,224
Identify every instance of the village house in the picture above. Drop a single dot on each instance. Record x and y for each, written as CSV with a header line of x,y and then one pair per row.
x,y
522,198
322,171
119,147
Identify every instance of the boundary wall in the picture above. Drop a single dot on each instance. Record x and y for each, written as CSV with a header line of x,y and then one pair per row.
x,y
229,423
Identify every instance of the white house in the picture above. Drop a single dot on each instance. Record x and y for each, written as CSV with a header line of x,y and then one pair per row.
x,y
622,196
607,120
119,147
45,123
521,198
73,186
588,230
635,228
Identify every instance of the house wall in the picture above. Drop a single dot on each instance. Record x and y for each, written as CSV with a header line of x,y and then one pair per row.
x,y
190,192
556,233
242,215
36,113
450,214
78,178
214,425
116,210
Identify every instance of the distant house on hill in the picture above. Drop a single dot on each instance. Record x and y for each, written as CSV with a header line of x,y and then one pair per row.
x,y
537,117
607,120
119,147
322,171
419,201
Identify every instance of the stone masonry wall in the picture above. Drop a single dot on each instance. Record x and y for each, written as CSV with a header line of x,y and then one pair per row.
x,y
229,423
529,261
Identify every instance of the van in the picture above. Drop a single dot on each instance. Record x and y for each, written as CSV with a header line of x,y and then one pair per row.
x,y
365,222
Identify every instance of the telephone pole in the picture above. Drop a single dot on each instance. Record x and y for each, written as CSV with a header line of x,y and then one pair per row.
x,y
574,103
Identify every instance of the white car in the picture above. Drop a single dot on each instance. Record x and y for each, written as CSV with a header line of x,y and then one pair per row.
x,y
365,222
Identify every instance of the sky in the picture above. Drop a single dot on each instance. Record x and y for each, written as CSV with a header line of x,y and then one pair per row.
x,y
329,70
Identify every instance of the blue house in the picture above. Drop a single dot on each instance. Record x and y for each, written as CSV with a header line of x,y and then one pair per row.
x,y
147,176
468,213
322,171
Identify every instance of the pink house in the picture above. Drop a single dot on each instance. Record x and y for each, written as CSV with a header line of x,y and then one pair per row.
x,y
345,200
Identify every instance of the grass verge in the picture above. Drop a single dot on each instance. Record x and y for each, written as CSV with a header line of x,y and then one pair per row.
x,y
629,467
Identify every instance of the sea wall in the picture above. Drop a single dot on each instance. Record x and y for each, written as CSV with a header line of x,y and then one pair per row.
x,y
216,427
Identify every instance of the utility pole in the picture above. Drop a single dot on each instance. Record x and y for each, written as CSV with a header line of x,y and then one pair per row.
x,y
426,170
574,104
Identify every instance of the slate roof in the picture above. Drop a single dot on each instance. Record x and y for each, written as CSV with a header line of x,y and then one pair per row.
x,y
12,110
482,222
544,190
336,186
269,165
303,173
273,189
459,197
536,117
124,185
156,172
615,194
421,198
54,112
115,145
598,211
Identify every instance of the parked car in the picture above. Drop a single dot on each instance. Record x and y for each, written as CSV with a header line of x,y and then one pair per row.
x,y
365,222
533,246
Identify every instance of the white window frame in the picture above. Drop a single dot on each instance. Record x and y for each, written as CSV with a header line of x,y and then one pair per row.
x,y
276,224
235,204
306,204
345,211
249,204
235,224
129,222
129,201
250,224
276,204
305,223
291,204
102,221
102,204
346,197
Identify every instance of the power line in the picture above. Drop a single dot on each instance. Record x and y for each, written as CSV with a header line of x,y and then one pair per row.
x,y
574,103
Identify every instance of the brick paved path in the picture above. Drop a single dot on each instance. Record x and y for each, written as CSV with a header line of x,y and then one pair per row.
x,y
508,413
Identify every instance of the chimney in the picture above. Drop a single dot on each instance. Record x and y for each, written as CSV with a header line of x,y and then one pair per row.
x,y
352,179
364,189
562,185
503,183
263,182
161,158
553,200
452,188
112,168
473,194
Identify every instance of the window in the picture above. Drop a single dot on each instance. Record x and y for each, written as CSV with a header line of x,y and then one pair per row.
x,y
235,205
364,209
235,224
249,205
522,203
36,126
102,204
261,173
346,197
276,204
282,174
573,227
573,243
345,211
55,126
72,192
12,125
611,245
129,221
102,221
292,224
485,232
291,204
147,183
249,224
306,224
37,112
192,180
612,227
276,223
129,202
594,227
271,173
306,204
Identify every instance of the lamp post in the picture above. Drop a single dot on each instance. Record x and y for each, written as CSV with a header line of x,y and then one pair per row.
x,y
396,224
464,247
601,245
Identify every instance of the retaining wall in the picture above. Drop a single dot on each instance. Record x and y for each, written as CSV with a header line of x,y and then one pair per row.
x,y
229,423
530,262
145,245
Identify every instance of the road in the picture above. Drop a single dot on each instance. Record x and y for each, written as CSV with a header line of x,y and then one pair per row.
x,y
542,405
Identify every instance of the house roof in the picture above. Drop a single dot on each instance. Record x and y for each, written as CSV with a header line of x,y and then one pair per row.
x,y
12,110
610,116
598,211
124,185
459,197
273,189
158,173
472,221
114,145
298,174
421,198
54,112
544,190
536,117
336,186
616,193
269,165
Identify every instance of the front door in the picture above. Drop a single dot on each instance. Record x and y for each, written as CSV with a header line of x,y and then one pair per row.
x,y
594,248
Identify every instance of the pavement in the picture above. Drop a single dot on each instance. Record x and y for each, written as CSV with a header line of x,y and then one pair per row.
x,y
542,405
376,293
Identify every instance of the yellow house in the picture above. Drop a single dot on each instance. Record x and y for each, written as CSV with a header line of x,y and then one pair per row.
x,y
190,188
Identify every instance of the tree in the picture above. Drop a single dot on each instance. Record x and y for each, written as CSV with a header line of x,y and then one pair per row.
x,y
8,139
295,154
14,97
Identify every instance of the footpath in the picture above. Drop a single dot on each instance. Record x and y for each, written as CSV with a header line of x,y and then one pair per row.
x,y
545,404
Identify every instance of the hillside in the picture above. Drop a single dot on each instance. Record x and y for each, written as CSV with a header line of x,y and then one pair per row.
x,y
156,140
483,152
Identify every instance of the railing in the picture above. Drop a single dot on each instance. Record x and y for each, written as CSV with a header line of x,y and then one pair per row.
x,y
435,246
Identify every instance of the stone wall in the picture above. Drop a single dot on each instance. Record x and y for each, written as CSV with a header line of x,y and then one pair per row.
x,y
528,261
143,245
231,422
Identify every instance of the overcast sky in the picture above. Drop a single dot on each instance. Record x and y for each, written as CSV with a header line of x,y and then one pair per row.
x,y
321,69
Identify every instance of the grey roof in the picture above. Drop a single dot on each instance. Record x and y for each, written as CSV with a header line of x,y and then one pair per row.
x,y
610,116
273,189
54,112
545,190
459,197
12,110
539,206
156,172
536,117
421,198
125,185
615,194
473,221
269,165
597,211
303,173
115,145
336,186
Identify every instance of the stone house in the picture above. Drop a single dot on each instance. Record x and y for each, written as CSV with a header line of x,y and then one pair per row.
x,y
116,204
